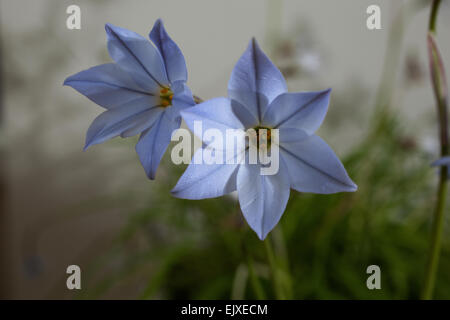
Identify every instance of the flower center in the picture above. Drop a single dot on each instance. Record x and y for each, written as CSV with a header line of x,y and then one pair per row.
x,y
263,137
166,96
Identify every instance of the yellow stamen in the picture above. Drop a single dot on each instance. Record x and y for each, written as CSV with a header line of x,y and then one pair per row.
x,y
166,96
264,144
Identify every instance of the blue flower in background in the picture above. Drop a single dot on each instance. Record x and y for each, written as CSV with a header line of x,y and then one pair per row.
x,y
143,92
258,98
441,162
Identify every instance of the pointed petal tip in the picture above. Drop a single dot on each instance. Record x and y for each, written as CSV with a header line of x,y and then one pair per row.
x,y
255,72
259,232
174,61
148,172
350,186
68,80
112,29
159,22
262,234
108,26
158,26
174,192
91,141
86,146
178,193
253,45
326,92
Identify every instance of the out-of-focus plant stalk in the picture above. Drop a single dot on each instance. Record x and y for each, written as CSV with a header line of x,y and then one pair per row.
x,y
281,284
254,280
439,83
387,85
273,270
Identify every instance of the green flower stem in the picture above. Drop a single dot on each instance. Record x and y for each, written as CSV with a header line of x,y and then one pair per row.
x,y
283,258
255,283
433,260
439,87
278,287
433,15
254,280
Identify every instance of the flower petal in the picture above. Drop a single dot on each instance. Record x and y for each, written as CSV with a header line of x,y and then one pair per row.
x,y
302,110
201,181
171,53
292,135
314,167
213,114
262,198
114,122
182,95
138,56
245,108
153,143
444,161
146,121
107,85
254,72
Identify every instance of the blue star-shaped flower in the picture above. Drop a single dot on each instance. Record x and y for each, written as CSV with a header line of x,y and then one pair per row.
x,y
258,98
442,162
142,92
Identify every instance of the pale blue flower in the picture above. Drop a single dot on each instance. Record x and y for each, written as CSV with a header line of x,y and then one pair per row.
x,y
142,92
441,162
258,98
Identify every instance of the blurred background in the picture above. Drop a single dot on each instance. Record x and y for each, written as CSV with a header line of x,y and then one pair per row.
x,y
96,209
